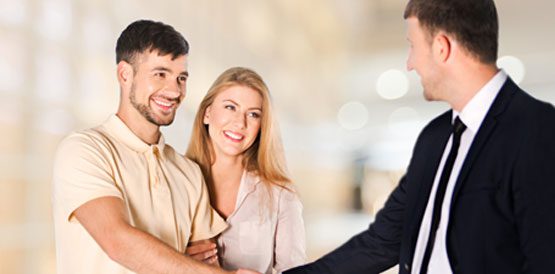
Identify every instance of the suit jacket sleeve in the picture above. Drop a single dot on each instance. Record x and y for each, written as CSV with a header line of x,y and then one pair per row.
x,y
534,194
378,248
373,250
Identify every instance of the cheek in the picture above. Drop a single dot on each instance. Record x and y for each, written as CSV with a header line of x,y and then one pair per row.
x,y
218,118
183,93
143,88
254,128
213,130
151,85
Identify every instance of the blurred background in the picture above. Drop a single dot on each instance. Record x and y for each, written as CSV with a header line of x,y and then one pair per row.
x,y
348,110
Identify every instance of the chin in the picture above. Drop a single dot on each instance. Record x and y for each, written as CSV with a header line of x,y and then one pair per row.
x,y
429,95
161,121
233,152
165,123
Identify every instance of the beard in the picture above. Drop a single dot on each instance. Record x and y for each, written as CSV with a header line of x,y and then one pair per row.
x,y
147,112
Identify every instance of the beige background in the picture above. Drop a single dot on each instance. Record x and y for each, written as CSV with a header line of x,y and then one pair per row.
x,y
321,58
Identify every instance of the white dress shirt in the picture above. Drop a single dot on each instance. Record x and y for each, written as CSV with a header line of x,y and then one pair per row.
x,y
472,116
264,233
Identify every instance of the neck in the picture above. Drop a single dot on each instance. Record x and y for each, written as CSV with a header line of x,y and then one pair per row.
x,y
466,81
227,170
145,130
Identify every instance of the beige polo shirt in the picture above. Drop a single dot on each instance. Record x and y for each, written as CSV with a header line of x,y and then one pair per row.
x,y
164,194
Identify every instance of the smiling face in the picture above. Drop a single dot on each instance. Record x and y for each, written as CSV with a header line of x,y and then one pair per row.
x,y
234,120
421,59
158,86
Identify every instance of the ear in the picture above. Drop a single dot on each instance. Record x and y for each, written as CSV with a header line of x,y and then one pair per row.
x,y
125,75
442,47
207,115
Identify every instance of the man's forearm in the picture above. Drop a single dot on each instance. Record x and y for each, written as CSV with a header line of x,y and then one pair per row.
x,y
143,253
105,220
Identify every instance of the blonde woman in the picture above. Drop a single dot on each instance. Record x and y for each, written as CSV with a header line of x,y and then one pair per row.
x,y
238,148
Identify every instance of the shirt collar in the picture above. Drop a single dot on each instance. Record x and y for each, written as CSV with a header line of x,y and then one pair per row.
x,y
248,184
120,130
249,180
475,111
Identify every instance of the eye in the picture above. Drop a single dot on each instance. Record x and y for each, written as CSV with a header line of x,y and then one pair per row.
x,y
230,107
160,74
255,115
182,79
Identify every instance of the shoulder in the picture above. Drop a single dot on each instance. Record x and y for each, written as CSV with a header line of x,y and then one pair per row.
x,y
527,112
82,157
83,143
438,127
286,196
184,163
530,106
514,100
438,123
186,166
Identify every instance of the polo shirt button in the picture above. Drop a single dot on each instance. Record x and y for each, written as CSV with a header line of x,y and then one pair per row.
x,y
406,266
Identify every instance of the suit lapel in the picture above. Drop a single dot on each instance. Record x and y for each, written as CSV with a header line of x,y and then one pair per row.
x,y
434,151
486,129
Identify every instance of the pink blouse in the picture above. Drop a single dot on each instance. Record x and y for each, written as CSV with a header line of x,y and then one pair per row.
x,y
264,233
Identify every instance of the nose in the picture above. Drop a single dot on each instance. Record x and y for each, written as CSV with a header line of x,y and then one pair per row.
x,y
174,90
240,121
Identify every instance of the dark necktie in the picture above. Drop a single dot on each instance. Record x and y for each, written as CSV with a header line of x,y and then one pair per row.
x,y
458,129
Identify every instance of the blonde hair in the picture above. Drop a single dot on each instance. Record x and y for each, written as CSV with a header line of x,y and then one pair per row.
x,y
265,156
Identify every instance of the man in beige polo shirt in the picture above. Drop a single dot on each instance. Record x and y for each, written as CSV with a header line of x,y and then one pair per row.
x,y
124,201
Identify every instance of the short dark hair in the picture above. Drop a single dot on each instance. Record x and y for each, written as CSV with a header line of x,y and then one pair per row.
x,y
473,23
149,35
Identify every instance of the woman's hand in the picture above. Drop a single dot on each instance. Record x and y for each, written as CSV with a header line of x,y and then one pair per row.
x,y
205,251
246,271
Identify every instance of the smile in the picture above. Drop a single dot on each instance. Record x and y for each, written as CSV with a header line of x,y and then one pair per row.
x,y
164,105
233,136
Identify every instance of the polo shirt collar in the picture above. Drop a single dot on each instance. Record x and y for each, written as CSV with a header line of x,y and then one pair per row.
x,y
120,130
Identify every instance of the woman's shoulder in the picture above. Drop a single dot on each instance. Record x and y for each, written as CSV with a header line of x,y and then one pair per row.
x,y
275,188
284,194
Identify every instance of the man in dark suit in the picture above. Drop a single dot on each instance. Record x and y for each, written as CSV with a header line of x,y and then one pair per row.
x,y
479,192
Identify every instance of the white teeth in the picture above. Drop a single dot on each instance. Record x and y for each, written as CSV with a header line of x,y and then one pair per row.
x,y
166,104
233,135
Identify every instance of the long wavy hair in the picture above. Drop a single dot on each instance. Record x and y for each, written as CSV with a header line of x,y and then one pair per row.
x,y
265,156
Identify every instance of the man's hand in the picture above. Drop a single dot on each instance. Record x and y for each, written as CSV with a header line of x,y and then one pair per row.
x,y
205,251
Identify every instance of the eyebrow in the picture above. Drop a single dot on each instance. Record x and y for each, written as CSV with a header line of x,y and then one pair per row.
x,y
185,73
235,103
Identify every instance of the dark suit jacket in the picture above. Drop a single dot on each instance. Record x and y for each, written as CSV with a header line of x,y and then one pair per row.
x,y
502,217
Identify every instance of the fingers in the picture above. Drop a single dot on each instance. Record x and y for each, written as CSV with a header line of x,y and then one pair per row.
x,y
213,260
245,271
204,255
205,251
200,248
